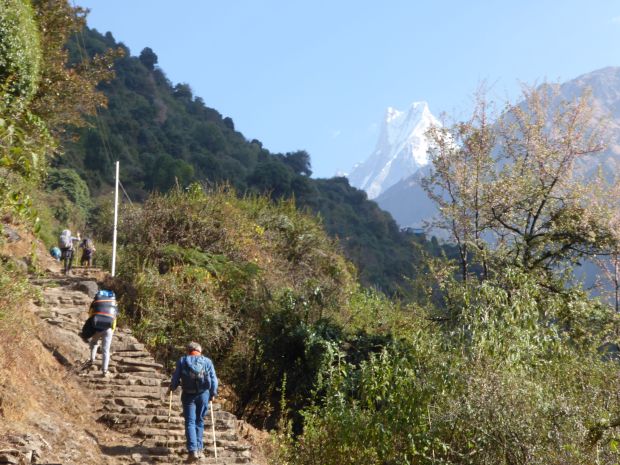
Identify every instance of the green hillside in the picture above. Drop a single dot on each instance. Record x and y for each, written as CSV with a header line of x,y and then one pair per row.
x,y
164,136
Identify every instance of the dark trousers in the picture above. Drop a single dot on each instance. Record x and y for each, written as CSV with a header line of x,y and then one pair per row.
x,y
66,255
87,258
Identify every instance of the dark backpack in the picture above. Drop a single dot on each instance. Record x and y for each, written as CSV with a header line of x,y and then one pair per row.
x,y
105,310
102,322
194,375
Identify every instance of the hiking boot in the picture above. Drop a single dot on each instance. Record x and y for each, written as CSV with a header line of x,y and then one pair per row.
x,y
200,454
192,457
106,374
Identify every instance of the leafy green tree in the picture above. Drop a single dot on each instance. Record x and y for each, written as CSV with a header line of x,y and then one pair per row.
x,y
148,58
168,172
69,182
299,162
272,177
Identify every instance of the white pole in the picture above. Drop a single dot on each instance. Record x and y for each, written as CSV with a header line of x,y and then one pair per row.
x,y
213,430
115,222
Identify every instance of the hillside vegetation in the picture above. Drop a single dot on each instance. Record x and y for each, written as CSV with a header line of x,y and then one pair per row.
x,y
496,358
165,136
259,282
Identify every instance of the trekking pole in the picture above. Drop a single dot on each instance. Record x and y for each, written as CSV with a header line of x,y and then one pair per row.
x,y
169,405
213,429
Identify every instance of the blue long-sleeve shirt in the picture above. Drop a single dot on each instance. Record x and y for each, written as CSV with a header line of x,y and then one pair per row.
x,y
210,370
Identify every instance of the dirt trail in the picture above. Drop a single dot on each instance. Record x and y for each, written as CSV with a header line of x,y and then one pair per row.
x,y
132,399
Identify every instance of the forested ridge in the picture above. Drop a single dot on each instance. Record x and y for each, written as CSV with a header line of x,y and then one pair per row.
x,y
165,136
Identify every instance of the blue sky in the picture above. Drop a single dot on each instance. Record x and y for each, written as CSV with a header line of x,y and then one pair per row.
x,y
318,75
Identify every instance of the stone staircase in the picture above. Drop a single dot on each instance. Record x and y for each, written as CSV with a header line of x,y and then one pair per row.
x,y
132,399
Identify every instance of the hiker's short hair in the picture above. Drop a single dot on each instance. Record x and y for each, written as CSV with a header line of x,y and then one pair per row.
x,y
194,346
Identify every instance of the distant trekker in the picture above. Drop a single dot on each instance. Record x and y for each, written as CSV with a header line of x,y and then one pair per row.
x,y
196,375
100,326
88,250
65,243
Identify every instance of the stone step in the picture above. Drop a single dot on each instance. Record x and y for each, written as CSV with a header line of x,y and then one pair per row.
x,y
148,431
133,395
136,369
232,460
207,460
136,355
224,449
222,438
122,379
107,390
113,407
131,419
131,347
140,363
144,379
134,398
220,424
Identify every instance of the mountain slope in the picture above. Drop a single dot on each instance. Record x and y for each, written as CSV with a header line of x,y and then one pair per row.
x,y
400,152
407,201
604,86
410,206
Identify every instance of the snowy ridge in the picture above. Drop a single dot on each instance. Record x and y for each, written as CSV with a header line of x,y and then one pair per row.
x,y
400,152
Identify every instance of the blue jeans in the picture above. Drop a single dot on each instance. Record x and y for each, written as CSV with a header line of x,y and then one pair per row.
x,y
195,407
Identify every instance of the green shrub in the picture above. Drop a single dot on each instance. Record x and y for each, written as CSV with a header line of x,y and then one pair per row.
x,y
510,374
20,54
69,182
217,268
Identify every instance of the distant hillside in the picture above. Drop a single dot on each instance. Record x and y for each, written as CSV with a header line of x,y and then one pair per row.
x,y
164,135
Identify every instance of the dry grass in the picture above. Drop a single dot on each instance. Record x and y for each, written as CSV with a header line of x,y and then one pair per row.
x,y
36,396
39,399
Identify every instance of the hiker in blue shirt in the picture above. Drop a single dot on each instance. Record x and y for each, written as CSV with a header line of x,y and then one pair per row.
x,y
196,375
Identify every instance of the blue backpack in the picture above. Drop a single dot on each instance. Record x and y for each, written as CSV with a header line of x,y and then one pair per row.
x,y
105,294
194,376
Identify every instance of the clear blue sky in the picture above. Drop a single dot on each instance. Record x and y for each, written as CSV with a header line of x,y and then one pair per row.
x,y
318,75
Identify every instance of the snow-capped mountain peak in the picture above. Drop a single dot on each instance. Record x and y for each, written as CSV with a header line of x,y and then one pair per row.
x,y
401,149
